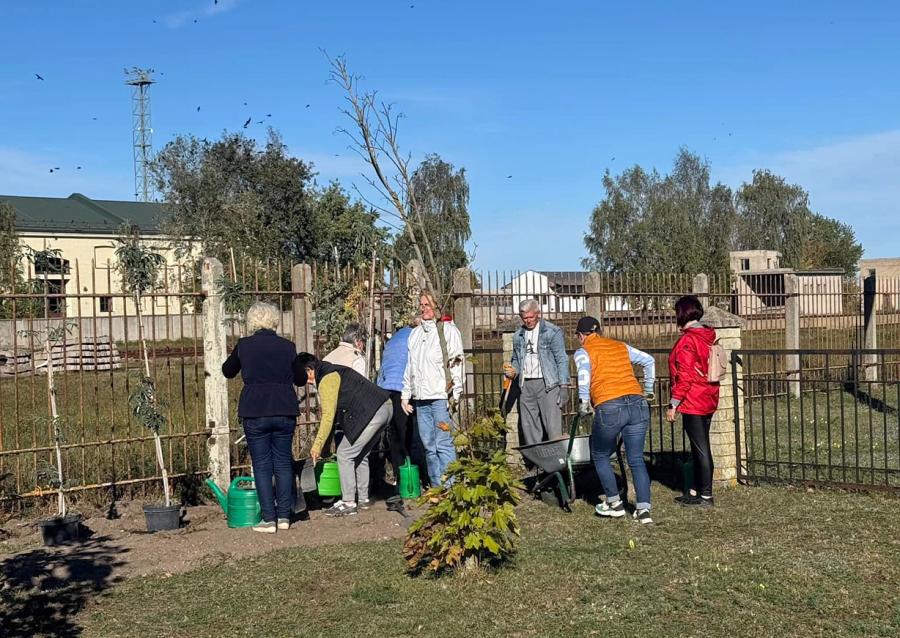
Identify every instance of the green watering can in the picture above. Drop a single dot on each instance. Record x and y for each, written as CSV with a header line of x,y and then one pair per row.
x,y
241,504
410,485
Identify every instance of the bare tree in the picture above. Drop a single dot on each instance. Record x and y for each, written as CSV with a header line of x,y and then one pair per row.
x,y
374,136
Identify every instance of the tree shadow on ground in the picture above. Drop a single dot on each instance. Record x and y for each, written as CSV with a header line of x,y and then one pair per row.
x,y
867,399
44,589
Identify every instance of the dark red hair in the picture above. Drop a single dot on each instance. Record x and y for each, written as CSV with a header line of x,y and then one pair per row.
x,y
688,309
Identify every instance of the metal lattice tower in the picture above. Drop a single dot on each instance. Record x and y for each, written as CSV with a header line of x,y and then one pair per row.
x,y
140,81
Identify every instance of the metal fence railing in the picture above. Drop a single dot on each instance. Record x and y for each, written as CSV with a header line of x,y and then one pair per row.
x,y
834,421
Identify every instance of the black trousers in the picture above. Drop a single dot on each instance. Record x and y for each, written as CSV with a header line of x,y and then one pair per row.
x,y
403,441
697,429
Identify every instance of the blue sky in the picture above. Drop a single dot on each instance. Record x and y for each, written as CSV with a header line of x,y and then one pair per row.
x,y
550,93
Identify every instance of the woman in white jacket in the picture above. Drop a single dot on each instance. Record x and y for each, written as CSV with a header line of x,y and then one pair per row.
x,y
426,388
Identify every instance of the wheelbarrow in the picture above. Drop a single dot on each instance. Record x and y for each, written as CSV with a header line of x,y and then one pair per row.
x,y
558,463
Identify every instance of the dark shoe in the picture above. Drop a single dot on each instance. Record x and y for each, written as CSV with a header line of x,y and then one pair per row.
x,y
687,500
642,517
341,509
707,502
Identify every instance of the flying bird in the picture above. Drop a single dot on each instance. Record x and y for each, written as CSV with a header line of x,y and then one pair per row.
x,y
94,118
198,109
247,123
268,115
259,121
38,77
509,177
77,168
307,106
612,159
245,104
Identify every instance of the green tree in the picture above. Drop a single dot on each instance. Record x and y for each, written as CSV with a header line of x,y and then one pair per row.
x,y
9,248
345,231
678,222
773,215
441,195
649,222
831,244
232,194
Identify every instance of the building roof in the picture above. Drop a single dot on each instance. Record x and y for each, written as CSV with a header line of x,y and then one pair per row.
x,y
79,214
554,278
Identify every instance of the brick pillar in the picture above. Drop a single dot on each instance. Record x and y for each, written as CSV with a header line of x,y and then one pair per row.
x,y
723,436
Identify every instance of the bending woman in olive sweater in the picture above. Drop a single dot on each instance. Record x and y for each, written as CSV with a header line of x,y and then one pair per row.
x,y
361,409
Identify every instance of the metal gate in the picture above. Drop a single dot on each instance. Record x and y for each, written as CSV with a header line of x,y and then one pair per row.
x,y
818,416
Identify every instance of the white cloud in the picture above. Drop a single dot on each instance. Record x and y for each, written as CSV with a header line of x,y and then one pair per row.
x,y
208,9
853,179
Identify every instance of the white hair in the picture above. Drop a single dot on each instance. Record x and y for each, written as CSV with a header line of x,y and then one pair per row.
x,y
529,305
262,316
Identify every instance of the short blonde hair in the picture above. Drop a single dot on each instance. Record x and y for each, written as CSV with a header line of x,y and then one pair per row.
x,y
431,299
262,316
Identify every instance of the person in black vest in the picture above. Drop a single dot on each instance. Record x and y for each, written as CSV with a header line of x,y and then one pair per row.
x,y
268,409
362,410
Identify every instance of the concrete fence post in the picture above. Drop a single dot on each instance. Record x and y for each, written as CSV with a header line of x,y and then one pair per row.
x,y
215,350
301,291
593,302
870,327
464,320
792,332
700,288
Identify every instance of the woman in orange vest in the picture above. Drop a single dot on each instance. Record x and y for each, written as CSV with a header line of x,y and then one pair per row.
x,y
608,388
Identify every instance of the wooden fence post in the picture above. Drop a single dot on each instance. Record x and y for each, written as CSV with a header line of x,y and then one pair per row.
x,y
215,350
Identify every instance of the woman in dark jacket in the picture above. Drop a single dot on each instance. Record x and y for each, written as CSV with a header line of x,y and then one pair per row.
x,y
693,395
268,409
362,410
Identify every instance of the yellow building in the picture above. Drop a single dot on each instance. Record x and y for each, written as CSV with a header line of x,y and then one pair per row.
x,y
83,231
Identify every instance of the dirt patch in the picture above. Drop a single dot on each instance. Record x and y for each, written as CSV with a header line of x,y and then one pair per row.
x,y
205,538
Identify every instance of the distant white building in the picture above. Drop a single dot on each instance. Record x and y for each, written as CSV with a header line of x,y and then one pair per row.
x,y
557,292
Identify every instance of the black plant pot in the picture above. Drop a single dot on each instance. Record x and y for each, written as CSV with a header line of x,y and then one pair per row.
x,y
161,517
60,530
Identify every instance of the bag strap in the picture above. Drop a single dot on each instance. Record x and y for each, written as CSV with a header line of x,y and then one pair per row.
x,y
448,378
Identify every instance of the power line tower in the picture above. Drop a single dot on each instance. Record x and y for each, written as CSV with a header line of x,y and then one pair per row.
x,y
140,81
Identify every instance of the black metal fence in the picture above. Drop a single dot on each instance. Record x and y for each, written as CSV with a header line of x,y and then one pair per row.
x,y
818,416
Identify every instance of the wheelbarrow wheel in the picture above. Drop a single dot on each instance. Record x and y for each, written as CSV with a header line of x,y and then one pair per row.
x,y
550,496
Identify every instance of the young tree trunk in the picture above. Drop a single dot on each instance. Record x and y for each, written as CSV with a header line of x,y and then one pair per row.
x,y
61,506
157,441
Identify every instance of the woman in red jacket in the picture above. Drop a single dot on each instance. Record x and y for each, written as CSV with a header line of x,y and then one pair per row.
x,y
693,395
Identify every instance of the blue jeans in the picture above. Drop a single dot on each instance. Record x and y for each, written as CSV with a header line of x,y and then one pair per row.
x,y
630,416
438,444
269,440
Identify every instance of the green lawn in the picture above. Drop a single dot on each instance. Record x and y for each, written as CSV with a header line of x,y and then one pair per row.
x,y
825,436
765,562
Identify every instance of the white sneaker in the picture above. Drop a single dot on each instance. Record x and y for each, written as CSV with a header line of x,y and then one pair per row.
x,y
642,517
616,510
266,527
284,523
